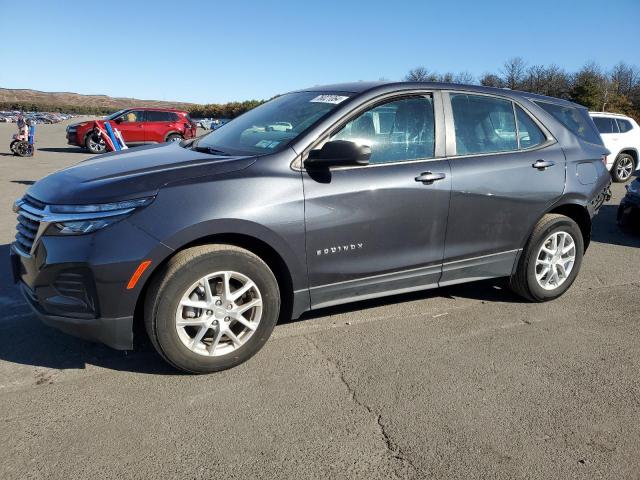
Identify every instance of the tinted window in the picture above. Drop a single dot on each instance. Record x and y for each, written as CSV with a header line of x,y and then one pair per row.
x,y
154,116
483,124
624,125
396,131
605,125
529,133
576,121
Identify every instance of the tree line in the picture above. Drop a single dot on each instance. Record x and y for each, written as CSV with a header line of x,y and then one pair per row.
x,y
614,90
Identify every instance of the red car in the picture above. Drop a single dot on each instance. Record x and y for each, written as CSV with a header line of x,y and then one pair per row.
x,y
139,126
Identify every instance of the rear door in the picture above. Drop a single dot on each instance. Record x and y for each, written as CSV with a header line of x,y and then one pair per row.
x,y
506,171
131,124
379,229
158,125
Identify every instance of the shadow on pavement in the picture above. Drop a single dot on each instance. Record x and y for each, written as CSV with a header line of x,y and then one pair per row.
x,y
606,229
63,150
24,182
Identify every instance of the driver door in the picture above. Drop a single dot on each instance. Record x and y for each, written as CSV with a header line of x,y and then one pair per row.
x,y
132,126
378,229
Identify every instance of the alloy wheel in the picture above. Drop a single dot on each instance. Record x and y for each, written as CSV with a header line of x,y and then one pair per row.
x,y
219,313
555,260
624,168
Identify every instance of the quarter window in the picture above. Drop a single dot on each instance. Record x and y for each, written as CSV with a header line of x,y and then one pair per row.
x,y
529,134
624,125
401,130
483,124
576,120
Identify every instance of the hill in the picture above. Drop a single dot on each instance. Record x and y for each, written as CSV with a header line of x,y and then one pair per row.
x,y
27,99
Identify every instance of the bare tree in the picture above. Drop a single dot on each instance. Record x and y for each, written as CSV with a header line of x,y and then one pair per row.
x,y
514,72
464,78
421,74
491,80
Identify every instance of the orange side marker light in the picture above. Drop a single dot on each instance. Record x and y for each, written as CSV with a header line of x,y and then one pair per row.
x,y
137,274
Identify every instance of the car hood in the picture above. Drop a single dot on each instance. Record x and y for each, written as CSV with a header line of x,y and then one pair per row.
x,y
130,174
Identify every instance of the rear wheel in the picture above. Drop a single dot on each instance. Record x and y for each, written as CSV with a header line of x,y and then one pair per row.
x,y
211,308
174,137
95,144
623,168
550,262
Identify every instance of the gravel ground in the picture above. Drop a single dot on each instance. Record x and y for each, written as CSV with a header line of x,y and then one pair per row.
x,y
463,382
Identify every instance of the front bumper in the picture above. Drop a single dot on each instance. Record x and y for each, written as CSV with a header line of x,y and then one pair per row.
x,y
78,284
114,332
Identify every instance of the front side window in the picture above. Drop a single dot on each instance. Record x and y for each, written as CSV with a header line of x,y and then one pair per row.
x,y
624,125
483,124
401,130
605,124
529,134
132,116
576,120
270,127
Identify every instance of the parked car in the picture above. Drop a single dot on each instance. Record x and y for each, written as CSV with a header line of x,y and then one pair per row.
x,y
629,209
621,135
139,126
377,189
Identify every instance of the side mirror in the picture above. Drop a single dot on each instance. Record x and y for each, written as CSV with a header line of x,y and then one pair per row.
x,y
339,153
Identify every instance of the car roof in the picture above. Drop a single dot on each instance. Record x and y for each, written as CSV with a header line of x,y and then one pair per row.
x,y
388,87
157,109
608,114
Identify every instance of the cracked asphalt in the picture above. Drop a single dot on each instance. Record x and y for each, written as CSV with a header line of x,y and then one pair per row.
x,y
463,382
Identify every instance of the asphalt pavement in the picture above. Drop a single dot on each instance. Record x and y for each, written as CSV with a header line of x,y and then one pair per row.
x,y
462,382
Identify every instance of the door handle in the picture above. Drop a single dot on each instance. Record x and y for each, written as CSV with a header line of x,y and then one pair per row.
x,y
429,177
542,164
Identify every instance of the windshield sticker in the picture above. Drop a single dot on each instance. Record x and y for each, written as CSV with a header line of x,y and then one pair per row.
x,y
267,144
335,99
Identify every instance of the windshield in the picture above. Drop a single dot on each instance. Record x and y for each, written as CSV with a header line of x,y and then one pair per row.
x,y
113,116
270,127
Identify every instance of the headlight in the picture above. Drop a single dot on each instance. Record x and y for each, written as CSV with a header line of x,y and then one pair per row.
x,y
85,226
79,219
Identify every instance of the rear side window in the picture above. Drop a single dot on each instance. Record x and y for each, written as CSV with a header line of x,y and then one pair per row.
x,y
624,125
529,134
483,124
155,116
576,121
605,124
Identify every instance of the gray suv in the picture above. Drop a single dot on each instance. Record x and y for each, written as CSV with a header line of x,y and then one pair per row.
x,y
373,189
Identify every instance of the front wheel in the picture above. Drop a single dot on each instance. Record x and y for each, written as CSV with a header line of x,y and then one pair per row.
x,y
550,262
211,308
623,168
95,144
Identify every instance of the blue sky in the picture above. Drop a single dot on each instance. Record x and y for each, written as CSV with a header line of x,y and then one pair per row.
x,y
212,51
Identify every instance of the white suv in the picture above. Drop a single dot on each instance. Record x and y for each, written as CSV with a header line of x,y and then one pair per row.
x,y
621,135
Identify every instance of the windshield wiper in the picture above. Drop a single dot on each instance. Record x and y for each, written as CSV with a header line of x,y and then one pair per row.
x,y
211,151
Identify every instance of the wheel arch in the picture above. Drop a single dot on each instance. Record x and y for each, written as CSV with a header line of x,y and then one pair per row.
x,y
259,247
173,132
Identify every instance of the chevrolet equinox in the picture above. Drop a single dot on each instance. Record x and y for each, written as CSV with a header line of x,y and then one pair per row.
x,y
372,189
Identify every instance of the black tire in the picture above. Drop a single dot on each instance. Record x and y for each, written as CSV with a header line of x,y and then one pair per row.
x,y
181,271
619,174
174,137
92,145
523,281
12,146
23,149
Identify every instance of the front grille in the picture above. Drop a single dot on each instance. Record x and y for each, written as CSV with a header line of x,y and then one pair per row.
x,y
30,213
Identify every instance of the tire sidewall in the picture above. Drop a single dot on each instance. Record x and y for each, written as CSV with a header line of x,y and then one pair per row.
x,y
172,291
87,144
561,224
614,169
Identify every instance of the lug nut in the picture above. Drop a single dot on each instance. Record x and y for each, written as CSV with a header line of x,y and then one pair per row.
x,y
229,307
209,312
214,323
218,302
226,319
